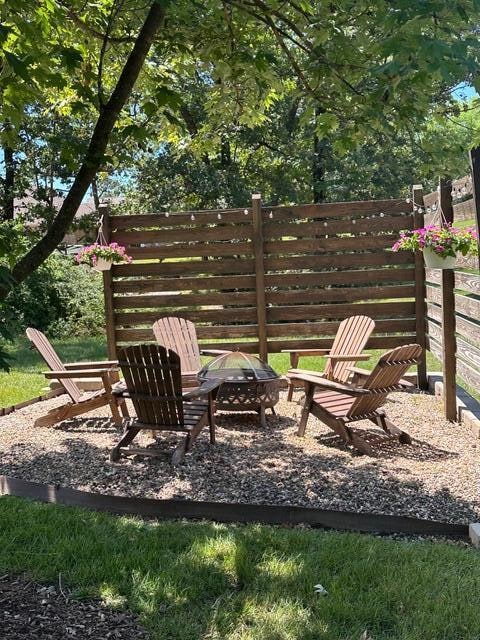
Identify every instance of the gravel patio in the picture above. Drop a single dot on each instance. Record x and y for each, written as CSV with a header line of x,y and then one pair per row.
x,y
437,477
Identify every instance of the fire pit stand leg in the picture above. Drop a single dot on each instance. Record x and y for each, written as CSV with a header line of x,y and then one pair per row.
x,y
263,420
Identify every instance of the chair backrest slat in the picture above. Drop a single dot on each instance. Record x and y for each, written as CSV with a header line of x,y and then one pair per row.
x,y
352,336
180,336
52,360
154,372
388,372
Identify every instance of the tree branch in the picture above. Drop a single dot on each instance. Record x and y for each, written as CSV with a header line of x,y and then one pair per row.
x,y
97,147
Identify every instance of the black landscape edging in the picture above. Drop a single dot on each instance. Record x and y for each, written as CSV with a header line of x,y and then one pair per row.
x,y
229,512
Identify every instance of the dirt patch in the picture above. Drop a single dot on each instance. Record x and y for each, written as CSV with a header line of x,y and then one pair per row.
x,y
31,611
436,477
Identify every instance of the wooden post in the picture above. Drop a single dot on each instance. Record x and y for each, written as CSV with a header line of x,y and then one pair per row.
x,y
475,169
108,288
259,275
449,341
420,304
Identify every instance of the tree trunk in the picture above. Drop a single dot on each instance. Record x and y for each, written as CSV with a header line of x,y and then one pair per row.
x,y
318,165
98,143
9,184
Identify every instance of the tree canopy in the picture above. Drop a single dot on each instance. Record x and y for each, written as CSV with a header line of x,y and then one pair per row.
x,y
119,79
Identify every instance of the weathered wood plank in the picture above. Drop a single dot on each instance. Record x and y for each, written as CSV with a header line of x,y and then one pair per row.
x,y
222,266
465,281
146,220
337,209
329,245
197,250
469,375
303,329
339,294
339,261
183,300
159,285
300,229
376,342
220,316
468,330
185,234
341,311
332,278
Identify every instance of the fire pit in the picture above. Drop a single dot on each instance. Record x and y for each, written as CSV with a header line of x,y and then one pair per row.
x,y
248,383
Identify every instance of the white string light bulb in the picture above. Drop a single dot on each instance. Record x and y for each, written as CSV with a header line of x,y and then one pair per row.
x,y
270,215
245,211
167,215
192,217
408,200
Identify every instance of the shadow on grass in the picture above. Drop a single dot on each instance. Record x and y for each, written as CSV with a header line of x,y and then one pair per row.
x,y
191,581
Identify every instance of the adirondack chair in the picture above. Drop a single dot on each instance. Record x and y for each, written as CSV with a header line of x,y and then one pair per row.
x,y
338,405
350,340
180,336
80,402
153,380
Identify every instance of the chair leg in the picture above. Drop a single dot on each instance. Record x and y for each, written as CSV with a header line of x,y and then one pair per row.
x,y
117,418
307,405
290,390
124,409
180,451
211,420
128,435
392,429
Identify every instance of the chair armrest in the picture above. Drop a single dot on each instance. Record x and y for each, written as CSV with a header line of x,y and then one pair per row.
x,y
330,385
213,352
77,373
349,357
307,352
203,390
101,364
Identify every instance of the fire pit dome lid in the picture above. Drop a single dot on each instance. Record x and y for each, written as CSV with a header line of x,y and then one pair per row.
x,y
237,366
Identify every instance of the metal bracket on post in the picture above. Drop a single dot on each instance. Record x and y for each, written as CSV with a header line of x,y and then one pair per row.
x,y
258,249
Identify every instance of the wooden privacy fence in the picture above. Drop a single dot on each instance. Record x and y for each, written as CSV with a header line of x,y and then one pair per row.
x,y
453,297
264,279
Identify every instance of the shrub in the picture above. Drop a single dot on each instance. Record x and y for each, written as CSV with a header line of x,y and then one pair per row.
x,y
60,298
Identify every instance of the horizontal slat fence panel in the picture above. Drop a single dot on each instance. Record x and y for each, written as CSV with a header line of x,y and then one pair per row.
x,y
308,229
173,220
321,264
469,282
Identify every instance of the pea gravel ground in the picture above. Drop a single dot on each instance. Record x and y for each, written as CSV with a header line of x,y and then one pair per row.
x,y
437,477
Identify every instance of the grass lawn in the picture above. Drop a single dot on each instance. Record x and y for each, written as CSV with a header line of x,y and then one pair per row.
x,y
189,581
26,381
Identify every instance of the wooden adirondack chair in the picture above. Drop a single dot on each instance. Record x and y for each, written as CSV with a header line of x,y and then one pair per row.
x,y
338,405
80,402
350,340
180,336
153,379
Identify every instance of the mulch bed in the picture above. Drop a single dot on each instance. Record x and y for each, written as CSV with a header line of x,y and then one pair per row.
x,y
31,611
436,478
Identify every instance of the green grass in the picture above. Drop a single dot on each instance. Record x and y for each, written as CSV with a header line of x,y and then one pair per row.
x,y
191,581
25,380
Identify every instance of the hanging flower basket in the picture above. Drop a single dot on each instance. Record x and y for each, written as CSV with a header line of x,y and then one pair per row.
x,y
436,261
101,256
440,244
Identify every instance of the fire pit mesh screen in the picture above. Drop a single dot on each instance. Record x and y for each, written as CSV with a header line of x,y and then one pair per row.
x,y
236,367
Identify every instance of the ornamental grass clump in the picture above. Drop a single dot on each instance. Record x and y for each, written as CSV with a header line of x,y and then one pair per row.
x,y
444,242
96,254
